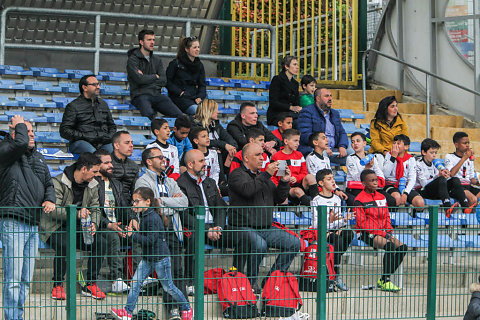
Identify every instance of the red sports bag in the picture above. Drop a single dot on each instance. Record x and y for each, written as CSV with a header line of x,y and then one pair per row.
x,y
213,278
236,296
281,297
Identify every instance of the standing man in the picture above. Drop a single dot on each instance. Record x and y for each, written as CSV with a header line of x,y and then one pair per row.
x,y
25,185
87,122
252,197
172,200
320,117
146,78
125,170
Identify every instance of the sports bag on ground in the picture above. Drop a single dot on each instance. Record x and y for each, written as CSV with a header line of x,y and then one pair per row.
x,y
236,296
308,276
280,297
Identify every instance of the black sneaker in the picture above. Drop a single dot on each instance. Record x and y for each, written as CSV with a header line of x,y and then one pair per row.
x,y
174,314
256,289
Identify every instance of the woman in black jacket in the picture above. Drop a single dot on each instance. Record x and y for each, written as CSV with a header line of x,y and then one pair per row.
x,y
283,93
186,82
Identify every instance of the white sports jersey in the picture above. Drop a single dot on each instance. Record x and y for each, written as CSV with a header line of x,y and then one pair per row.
x,y
426,173
354,168
212,169
333,203
170,152
466,171
317,162
409,171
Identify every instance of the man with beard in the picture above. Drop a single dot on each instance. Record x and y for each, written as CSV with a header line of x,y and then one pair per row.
x,y
87,122
125,170
320,117
116,215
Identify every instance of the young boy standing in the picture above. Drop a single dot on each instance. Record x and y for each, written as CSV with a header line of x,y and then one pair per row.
x,y
202,142
300,179
161,130
284,123
253,136
179,136
338,235
316,160
400,164
437,184
461,165
309,85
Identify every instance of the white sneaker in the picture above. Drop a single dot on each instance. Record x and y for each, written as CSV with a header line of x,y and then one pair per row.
x,y
149,280
191,291
119,286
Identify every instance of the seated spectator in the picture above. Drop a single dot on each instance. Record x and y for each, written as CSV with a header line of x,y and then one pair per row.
x,y
186,82
249,189
338,234
202,143
87,123
320,117
125,170
179,136
253,136
283,92
473,309
116,216
76,186
300,179
461,165
400,164
284,123
146,77
375,228
309,85
161,130
246,120
386,124
437,183
26,193
316,159
202,190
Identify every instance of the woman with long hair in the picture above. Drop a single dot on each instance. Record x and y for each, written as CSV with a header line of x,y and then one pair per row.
x,y
186,81
386,124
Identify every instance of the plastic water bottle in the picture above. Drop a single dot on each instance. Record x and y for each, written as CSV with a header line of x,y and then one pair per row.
x,y
401,184
438,163
87,235
367,159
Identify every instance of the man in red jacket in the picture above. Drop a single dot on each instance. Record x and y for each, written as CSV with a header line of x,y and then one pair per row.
x,y
373,223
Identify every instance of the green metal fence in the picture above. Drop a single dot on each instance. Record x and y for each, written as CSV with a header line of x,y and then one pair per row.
x,y
434,276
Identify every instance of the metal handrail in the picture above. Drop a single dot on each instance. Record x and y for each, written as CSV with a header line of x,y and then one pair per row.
x,y
428,74
97,50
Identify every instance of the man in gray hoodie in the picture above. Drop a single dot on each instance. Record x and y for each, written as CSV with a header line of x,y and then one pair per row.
x,y
146,78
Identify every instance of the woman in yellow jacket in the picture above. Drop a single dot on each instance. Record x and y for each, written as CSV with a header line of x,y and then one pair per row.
x,y
386,125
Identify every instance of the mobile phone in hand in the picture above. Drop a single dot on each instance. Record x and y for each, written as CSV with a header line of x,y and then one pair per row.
x,y
282,165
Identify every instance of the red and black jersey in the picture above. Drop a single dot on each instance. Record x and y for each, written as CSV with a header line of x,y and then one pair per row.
x,y
277,134
295,162
371,213
237,161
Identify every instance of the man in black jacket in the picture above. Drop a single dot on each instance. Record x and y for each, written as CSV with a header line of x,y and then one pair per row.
x,y
252,196
202,191
87,122
25,185
247,119
146,78
125,170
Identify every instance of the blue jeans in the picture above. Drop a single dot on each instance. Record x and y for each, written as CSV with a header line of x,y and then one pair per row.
x,y
81,146
148,105
20,247
191,110
164,273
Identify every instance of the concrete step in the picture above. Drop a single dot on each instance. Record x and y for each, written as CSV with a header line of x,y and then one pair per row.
x,y
445,133
372,95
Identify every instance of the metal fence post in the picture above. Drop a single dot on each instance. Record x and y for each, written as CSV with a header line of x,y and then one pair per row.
x,y
96,67
432,262
199,236
71,262
321,263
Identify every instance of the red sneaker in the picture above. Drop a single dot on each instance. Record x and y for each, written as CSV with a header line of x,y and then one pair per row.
x,y
93,291
187,315
121,314
58,293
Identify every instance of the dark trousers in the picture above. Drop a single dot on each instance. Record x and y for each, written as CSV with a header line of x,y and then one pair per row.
x,y
148,105
340,242
58,242
442,189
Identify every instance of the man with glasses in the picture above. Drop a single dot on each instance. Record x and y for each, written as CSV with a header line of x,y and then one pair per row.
x,y
172,201
87,122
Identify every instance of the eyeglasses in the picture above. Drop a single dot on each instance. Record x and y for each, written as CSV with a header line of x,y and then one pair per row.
x,y
96,84
137,201
159,157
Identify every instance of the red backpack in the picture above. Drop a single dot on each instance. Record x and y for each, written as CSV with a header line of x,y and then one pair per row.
x,y
236,296
281,297
213,278
308,276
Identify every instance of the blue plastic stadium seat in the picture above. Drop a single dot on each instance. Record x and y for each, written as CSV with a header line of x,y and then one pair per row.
x,y
444,241
415,147
442,219
466,219
346,113
3,118
139,140
248,96
219,95
55,153
48,72
41,86
35,102
262,112
223,110
114,104
114,76
53,117
219,82
358,243
29,116
404,219
235,106
136,155
340,178
54,173
49,137
135,121
265,83
289,218
365,126
5,101
62,102
410,241
350,127
15,70
69,87
77,73
11,85
249,84
114,90
430,202
470,240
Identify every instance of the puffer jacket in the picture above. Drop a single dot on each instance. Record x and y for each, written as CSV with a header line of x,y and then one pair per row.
x,y
125,172
88,120
473,310
238,131
382,134
152,236
24,178
146,83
